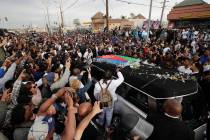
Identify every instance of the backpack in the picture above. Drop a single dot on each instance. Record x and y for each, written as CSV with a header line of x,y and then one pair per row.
x,y
105,97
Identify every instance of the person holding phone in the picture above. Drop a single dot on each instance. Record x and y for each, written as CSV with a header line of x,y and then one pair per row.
x,y
81,92
109,84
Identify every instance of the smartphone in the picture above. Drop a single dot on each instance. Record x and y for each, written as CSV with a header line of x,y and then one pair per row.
x,y
18,54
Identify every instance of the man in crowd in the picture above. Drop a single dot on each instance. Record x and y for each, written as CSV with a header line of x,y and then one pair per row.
x,y
168,125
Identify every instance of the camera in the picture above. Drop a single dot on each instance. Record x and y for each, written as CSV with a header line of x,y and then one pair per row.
x,y
84,67
61,117
18,54
73,95
27,67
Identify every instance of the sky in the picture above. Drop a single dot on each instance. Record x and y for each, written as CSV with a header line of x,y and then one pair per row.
x,y
22,13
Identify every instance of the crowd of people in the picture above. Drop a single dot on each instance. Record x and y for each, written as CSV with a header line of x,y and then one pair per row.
x,y
45,79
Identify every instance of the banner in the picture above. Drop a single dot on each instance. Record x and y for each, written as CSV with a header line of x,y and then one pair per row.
x,y
154,24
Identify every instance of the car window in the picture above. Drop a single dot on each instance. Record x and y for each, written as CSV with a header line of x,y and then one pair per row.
x,y
135,97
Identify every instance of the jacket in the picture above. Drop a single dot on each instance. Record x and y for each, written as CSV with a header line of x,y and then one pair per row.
x,y
167,128
21,131
3,110
61,82
82,91
8,75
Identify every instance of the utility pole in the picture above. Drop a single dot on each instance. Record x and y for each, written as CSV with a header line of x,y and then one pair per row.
x,y
107,15
163,8
62,23
48,18
45,3
150,13
61,14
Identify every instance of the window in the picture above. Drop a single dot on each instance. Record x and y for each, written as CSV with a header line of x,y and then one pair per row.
x,y
134,96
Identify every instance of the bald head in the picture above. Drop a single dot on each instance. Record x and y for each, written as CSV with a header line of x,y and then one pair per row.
x,y
84,109
172,107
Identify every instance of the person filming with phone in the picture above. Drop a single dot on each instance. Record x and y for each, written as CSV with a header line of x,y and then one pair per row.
x,y
105,93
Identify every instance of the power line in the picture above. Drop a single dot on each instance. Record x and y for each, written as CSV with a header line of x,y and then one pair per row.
x,y
109,5
104,2
75,2
65,1
80,5
128,2
141,4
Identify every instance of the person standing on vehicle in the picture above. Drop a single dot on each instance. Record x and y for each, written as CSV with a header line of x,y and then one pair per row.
x,y
107,86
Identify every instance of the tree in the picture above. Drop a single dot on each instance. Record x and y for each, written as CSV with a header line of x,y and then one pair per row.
x,y
132,15
123,17
76,22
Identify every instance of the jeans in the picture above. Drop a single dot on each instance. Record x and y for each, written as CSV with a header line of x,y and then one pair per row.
x,y
106,114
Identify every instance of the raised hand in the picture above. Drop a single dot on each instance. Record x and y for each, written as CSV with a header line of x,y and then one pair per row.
x,y
60,92
96,108
89,70
18,61
68,63
68,100
6,97
22,75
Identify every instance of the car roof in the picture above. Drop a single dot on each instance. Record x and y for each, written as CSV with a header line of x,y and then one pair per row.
x,y
151,85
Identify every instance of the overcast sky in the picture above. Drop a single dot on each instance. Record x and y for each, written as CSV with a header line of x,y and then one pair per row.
x,y
26,12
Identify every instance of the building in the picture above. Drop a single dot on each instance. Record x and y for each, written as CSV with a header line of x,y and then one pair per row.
x,y
190,13
86,24
138,20
99,22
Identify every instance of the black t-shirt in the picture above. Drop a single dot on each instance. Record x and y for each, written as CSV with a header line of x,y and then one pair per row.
x,y
166,128
90,133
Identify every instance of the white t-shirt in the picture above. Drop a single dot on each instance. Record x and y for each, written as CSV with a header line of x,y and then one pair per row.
x,y
87,55
177,47
195,34
184,34
112,87
193,43
41,127
182,69
110,48
79,54
165,50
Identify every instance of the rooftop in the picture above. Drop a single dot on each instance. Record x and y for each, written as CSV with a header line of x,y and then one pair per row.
x,y
98,15
189,3
139,16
